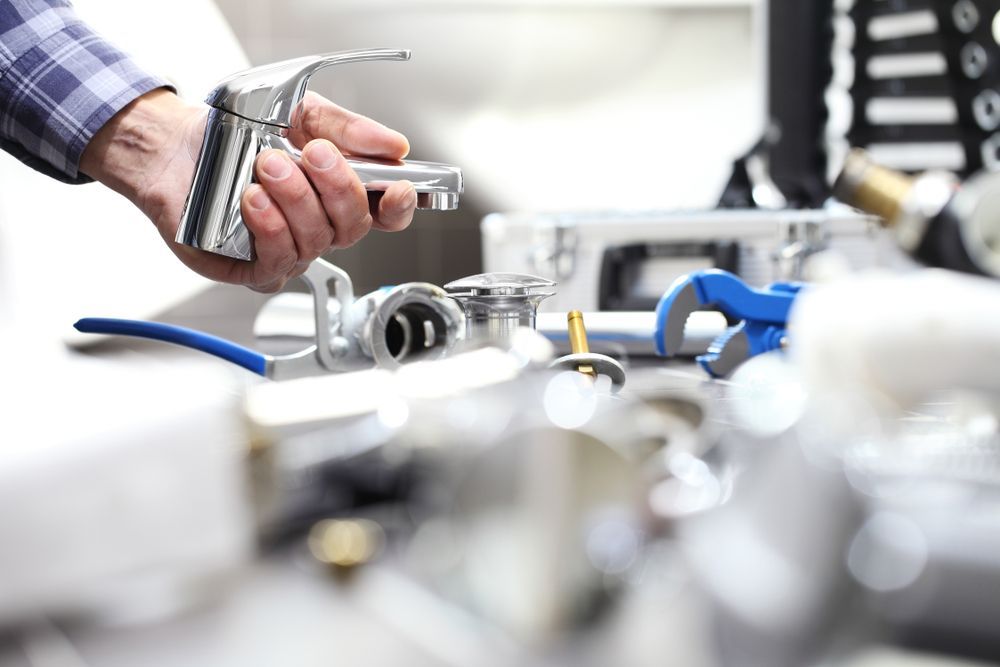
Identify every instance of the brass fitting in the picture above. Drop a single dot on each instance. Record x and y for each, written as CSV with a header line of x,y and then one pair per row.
x,y
872,188
344,544
582,360
578,339
906,204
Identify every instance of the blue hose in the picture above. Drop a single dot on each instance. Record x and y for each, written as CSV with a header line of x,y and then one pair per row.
x,y
168,333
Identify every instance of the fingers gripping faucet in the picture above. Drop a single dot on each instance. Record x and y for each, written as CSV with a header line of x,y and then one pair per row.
x,y
253,111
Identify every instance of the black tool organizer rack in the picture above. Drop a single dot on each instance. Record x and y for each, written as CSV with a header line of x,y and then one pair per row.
x,y
800,41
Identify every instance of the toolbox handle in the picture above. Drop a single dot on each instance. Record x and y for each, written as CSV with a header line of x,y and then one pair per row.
x,y
620,269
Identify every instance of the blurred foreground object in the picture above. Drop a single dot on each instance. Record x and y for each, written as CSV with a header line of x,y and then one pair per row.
x,y
112,505
887,341
345,544
874,517
527,477
121,479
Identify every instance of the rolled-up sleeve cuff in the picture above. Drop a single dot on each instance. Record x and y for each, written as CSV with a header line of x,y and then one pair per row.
x,y
60,92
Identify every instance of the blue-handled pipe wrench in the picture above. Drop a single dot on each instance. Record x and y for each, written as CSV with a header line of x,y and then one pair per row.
x,y
759,317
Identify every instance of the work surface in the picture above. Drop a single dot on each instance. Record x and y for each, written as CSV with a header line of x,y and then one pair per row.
x,y
282,607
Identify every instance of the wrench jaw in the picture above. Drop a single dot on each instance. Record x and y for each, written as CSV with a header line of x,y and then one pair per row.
x,y
672,314
758,317
727,352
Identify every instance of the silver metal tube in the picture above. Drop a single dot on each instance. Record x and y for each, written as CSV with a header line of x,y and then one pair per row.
x,y
633,332
410,322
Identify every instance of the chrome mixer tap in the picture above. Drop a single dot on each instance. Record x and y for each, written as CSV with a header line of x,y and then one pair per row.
x,y
252,111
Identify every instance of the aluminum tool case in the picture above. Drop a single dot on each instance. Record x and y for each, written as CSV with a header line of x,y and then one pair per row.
x,y
626,260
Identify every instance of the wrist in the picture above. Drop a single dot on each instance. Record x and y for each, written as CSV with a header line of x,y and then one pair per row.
x,y
129,151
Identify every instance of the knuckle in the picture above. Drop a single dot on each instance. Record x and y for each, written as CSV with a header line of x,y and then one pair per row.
x,y
319,239
268,228
286,264
268,287
340,183
350,121
273,278
399,223
393,220
355,231
311,111
273,158
295,190
299,269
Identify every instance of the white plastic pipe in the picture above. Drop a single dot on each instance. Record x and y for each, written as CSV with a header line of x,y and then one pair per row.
x,y
898,337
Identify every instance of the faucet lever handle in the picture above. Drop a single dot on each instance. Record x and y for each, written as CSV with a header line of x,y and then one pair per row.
x,y
271,93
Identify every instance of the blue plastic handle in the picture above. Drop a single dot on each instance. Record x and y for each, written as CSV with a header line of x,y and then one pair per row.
x,y
169,333
763,311
735,298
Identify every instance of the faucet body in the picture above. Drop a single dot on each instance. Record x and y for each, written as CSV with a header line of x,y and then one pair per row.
x,y
251,112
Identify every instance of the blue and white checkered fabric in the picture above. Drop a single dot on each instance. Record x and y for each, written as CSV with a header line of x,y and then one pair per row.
x,y
59,83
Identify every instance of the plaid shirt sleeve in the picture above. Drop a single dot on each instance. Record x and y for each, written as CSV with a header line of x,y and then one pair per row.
x,y
59,84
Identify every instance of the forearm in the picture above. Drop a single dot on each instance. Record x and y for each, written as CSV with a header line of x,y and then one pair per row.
x,y
133,148
59,84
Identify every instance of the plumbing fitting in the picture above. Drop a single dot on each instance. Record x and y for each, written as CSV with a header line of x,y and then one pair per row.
x,y
406,323
937,219
582,360
906,204
345,544
497,304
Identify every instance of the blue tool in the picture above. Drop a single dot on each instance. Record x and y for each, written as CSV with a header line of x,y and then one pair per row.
x,y
385,328
327,353
169,333
760,317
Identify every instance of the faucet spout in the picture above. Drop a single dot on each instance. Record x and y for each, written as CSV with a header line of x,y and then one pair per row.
x,y
438,185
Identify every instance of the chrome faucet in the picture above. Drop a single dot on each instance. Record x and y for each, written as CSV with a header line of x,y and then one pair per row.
x,y
252,111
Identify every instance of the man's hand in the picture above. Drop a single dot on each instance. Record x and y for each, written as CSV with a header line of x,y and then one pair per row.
x,y
148,151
